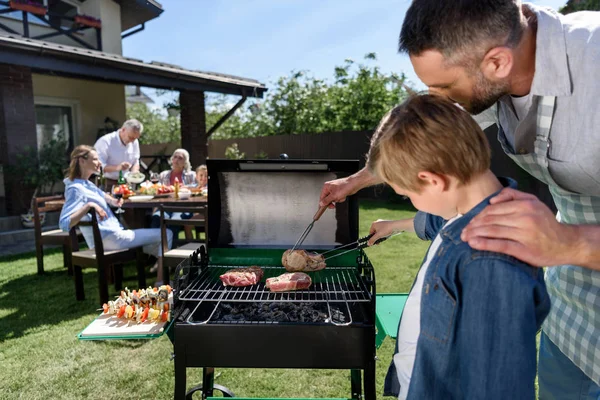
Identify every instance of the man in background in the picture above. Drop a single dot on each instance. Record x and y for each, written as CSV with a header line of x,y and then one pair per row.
x,y
120,151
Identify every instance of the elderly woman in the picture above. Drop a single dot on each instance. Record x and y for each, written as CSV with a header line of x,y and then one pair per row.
x,y
81,196
180,169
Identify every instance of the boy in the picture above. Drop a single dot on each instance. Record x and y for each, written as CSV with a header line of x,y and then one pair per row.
x,y
468,330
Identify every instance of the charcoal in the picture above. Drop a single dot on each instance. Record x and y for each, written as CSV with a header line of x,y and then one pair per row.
x,y
278,312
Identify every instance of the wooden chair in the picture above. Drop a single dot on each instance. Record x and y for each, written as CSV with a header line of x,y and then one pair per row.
x,y
103,260
52,237
180,251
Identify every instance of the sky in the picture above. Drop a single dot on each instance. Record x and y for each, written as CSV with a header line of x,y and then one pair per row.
x,y
267,39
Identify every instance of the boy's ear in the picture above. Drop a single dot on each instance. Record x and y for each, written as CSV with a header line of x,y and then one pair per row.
x,y
436,181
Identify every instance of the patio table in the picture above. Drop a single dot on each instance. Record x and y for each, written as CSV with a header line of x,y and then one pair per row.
x,y
139,208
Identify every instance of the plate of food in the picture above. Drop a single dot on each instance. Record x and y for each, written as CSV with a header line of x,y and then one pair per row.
x,y
137,314
135,177
140,198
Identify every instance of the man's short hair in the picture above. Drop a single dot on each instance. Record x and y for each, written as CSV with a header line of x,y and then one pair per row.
x,y
461,29
134,125
427,133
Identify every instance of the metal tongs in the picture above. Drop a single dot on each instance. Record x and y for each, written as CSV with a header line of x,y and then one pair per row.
x,y
310,226
359,244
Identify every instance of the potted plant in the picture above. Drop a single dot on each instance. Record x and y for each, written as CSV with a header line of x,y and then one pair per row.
x,y
88,20
39,170
28,6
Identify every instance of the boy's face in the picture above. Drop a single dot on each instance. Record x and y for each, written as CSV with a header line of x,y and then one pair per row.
x,y
431,199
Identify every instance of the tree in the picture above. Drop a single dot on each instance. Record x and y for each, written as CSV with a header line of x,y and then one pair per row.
x,y
157,127
357,99
580,5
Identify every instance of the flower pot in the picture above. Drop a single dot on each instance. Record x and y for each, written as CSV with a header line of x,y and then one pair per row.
x,y
27,220
88,21
32,8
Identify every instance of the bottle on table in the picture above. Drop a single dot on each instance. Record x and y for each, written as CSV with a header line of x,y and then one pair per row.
x,y
176,188
121,180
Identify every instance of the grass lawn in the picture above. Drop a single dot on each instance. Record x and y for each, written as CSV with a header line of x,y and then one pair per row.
x,y
41,358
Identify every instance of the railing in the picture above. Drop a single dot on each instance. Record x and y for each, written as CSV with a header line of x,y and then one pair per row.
x,y
41,13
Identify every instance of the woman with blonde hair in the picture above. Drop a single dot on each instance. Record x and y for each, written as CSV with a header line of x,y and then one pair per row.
x,y
81,196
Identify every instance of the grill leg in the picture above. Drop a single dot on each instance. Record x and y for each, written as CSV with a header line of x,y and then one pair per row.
x,y
370,382
179,376
208,386
356,384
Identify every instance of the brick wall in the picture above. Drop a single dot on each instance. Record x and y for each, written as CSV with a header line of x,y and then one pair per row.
x,y
17,130
193,126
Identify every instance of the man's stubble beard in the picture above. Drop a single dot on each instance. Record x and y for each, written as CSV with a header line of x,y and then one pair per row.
x,y
486,93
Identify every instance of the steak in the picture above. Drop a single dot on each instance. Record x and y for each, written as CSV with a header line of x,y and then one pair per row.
x,y
242,276
289,281
302,260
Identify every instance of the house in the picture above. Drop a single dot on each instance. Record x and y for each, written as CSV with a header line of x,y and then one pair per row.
x,y
135,94
62,70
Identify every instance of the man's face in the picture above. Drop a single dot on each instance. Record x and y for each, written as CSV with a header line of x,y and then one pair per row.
x,y
473,91
129,135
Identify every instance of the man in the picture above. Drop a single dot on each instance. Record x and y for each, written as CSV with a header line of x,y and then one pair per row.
x,y
120,150
538,69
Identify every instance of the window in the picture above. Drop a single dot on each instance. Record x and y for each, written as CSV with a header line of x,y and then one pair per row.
x,y
54,119
57,8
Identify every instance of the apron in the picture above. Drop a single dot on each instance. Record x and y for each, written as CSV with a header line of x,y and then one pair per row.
x,y
573,323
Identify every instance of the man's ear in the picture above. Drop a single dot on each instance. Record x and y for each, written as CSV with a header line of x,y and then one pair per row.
x,y
497,63
437,182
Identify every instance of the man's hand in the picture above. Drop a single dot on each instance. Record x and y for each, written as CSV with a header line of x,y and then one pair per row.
x,y
124,166
335,191
520,225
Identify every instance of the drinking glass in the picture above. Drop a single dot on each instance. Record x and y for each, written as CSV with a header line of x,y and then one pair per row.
x,y
154,177
117,194
189,180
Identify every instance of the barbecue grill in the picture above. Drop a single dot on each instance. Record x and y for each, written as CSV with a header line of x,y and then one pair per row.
x,y
257,210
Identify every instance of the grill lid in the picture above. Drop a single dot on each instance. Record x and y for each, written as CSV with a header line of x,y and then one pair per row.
x,y
269,203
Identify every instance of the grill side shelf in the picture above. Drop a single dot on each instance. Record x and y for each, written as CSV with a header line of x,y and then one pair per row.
x,y
333,284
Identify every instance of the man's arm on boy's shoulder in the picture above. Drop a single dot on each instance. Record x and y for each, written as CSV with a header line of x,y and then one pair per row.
x,y
520,225
503,305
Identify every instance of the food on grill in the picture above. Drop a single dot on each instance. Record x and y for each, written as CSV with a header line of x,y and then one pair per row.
x,y
242,276
302,260
142,305
289,281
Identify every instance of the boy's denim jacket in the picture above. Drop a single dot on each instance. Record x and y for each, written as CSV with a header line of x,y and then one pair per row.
x,y
480,312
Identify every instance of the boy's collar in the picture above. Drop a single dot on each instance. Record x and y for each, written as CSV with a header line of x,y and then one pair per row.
x,y
453,231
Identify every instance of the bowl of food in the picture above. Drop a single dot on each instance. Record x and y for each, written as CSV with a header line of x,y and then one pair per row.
x,y
184,194
135,177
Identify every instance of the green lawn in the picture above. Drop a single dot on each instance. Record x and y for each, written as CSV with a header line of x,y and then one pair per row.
x,y
41,358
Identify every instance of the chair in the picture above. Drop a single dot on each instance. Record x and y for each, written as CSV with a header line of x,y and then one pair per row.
x,y
52,237
102,260
179,252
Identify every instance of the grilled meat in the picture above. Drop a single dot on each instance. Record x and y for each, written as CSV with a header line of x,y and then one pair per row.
x,y
302,260
289,281
242,276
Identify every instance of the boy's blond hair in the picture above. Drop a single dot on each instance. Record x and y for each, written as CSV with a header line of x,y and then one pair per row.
x,y
201,168
427,133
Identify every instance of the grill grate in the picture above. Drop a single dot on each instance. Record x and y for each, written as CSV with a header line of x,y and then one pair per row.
x,y
333,284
